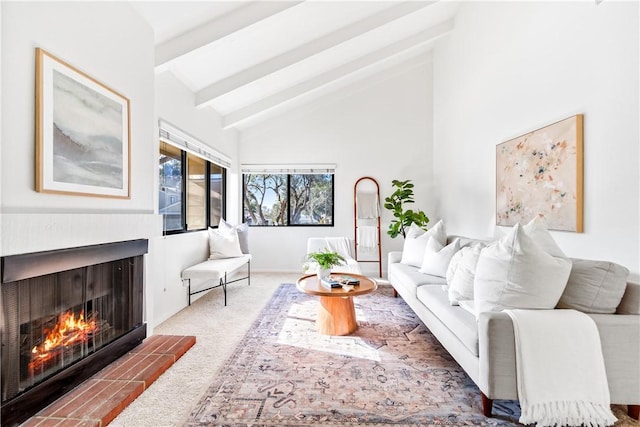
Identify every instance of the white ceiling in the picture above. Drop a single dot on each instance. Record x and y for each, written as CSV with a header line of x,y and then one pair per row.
x,y
252,60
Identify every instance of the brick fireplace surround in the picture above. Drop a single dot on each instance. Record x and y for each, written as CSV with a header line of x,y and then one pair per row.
x,y
98,400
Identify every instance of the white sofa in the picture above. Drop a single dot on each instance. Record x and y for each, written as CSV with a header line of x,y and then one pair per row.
x,y
485,347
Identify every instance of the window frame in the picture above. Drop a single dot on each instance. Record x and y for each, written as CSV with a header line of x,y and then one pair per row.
x,y
288,174
223,186
185,174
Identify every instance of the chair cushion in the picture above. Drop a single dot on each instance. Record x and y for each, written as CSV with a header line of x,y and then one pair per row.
x,y
241,229
224,244
214,269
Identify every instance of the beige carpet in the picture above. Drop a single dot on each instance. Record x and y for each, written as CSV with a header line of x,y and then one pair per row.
x,y
219,329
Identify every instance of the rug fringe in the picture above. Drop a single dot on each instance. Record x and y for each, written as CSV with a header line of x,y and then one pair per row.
x,y
572,413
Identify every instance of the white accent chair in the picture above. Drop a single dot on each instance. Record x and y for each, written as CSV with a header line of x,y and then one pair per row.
x,y
341,245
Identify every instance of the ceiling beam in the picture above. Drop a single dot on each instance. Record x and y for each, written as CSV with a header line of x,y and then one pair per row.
x,y
314,47
405,46
209,32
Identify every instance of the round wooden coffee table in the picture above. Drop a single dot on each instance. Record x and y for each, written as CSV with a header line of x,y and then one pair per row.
x,y
336,312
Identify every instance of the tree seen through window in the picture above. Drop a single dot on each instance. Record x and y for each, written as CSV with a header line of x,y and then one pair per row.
x,y
294,199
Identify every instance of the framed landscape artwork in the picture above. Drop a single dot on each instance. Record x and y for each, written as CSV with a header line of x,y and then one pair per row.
x,y
539,174
82,133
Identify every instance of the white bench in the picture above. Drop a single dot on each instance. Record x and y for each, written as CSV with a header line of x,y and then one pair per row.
x,y
216,270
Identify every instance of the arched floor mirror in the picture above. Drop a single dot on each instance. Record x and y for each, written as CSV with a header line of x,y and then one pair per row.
x,y
366,219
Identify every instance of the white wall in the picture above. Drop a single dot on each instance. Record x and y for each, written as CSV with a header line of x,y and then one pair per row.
x,y
512,67
172,254
380,127
84,35
113,44
110,42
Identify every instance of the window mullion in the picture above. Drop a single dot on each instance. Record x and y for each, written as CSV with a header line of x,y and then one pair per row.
x,y
185,174
207,194
288,199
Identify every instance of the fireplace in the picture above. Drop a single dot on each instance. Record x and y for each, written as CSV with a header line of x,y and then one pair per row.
x,y
66,314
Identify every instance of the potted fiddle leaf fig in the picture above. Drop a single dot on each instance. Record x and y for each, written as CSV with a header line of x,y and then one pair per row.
x,y
403,218
325,260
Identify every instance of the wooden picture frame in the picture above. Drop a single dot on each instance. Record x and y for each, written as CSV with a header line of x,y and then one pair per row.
x,y
82,133
540,174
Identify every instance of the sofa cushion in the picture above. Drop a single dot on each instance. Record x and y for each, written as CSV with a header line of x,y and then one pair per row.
x,y
459,321
594,286
460,281
409,278
416,241
630,303
437,257
515,272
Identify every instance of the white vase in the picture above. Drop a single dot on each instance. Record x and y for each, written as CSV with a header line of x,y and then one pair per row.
x,y
323,272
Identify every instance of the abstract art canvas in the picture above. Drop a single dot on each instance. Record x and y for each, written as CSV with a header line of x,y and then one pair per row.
x,y
539,174
82,132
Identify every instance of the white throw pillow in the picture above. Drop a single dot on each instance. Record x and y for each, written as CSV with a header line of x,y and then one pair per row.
x,y
461,281
241,229
413,250
416,241
224,245
516,272
438,232
539,233
453,266
437,257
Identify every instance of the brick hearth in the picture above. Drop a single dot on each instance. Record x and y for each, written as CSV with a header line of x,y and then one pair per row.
x,y
97,401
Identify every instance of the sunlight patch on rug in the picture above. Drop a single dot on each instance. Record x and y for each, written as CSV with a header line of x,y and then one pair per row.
x,y
298,328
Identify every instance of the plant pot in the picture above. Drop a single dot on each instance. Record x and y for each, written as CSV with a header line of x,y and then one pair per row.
x,y
323,272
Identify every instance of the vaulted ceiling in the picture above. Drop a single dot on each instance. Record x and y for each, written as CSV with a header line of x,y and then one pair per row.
x,y
252,60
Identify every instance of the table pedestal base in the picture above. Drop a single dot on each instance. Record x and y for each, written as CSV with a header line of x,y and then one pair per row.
x,y
336,316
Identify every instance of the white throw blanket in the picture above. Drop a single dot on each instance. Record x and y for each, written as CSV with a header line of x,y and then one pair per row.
x,y
367,236
560,369
339,245
367,204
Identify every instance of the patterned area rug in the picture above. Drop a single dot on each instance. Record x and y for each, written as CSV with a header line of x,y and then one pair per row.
x,y
392,371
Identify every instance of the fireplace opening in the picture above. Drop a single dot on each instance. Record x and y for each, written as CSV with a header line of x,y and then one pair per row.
x,y
66,315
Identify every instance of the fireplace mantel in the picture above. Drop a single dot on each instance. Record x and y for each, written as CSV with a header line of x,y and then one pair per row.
x,y
26,266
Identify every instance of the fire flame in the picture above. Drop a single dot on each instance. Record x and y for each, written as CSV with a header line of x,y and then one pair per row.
x,y
68,331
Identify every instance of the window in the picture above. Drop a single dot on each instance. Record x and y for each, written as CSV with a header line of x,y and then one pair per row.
x,y
201,182
196,193
170,200
278,199
216,192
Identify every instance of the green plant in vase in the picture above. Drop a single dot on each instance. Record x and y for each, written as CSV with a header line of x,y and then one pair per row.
x,y
403,218
325,260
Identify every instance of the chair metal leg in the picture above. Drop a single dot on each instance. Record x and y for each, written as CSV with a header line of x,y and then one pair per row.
x,y
224,288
